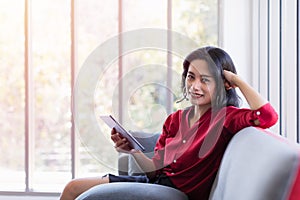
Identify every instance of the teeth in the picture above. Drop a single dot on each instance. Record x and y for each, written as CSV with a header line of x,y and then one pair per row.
x,y
197,95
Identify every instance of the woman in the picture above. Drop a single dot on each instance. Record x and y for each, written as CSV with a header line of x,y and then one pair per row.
x,y
189,151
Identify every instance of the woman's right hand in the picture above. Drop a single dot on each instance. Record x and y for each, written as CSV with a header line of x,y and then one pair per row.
x,y
121,143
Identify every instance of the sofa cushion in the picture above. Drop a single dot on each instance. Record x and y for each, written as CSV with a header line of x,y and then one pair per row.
x,y
256,165
132,191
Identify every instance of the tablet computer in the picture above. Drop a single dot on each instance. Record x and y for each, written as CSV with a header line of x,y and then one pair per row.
x,y
112,123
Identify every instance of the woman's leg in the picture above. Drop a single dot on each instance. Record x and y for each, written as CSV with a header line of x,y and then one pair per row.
x,y
77,186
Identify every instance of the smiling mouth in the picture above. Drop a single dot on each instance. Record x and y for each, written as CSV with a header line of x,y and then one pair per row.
x,y
195,95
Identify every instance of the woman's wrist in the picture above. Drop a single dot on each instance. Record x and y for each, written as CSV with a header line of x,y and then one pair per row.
x,y
134,151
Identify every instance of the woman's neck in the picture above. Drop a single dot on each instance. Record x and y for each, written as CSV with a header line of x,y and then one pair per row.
x,y
197,113
200,110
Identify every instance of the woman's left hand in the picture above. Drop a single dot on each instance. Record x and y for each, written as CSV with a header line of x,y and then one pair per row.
x,y
230,79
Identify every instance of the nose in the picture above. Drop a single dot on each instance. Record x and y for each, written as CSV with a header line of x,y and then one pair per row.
x,y
197,85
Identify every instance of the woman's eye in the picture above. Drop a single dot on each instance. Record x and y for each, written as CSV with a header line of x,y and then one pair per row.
x,y
190,76
205,80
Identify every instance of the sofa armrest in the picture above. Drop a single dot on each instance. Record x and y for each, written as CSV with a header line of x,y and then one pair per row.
x,y
256,165
126,162
123,164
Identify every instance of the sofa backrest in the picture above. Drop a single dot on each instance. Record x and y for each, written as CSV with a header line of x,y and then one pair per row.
x,y
256,165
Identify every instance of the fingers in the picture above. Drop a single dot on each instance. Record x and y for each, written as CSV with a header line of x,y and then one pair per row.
x,y
121,144
123,147
227,85
229,81
115,136
227,74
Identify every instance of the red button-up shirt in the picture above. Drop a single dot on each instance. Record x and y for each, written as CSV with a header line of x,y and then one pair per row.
x,y
191,156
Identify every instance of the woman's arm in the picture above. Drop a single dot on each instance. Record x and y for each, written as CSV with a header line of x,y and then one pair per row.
x,y
254,99
145,163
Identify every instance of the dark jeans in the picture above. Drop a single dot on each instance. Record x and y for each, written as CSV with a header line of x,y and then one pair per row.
x,y
161,179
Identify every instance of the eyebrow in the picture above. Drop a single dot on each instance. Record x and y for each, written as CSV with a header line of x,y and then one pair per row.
x,y
201,75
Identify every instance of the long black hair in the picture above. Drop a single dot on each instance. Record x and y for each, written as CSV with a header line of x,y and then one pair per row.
x,y
217,60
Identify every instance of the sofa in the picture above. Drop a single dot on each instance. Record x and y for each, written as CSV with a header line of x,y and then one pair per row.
x,y
257,165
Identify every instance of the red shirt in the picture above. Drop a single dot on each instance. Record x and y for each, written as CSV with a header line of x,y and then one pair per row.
x,y
191,156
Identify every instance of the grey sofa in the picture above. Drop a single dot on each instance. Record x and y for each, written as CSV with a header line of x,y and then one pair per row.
x,y
257,165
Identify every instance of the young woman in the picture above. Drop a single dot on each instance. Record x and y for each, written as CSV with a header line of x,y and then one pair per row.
x,y
189,151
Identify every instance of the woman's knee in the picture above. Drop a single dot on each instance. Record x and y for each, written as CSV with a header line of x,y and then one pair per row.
x,y
73,188
77,186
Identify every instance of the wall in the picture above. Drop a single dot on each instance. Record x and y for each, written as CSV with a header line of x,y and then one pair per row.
x,y
235,34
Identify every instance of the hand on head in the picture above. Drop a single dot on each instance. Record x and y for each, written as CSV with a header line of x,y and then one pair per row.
x,y
230,79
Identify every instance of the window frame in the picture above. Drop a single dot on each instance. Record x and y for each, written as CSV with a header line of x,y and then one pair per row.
x,y
29,89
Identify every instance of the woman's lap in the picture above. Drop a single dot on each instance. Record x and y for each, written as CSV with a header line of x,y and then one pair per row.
x,y
160,180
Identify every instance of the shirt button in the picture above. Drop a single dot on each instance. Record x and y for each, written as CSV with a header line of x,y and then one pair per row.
x,y
174,161
258,113
183,141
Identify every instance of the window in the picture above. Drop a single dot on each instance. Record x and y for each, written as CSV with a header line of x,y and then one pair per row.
x,y
276,62
45,48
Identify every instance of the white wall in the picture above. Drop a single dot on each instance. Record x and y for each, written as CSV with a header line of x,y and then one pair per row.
x,y
236,34
236,37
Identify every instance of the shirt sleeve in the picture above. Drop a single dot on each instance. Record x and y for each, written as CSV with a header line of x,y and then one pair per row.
x,y
266,115
238,119
159,150
169,128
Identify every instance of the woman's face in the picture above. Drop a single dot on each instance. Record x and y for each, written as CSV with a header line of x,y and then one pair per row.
x,y
200,84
